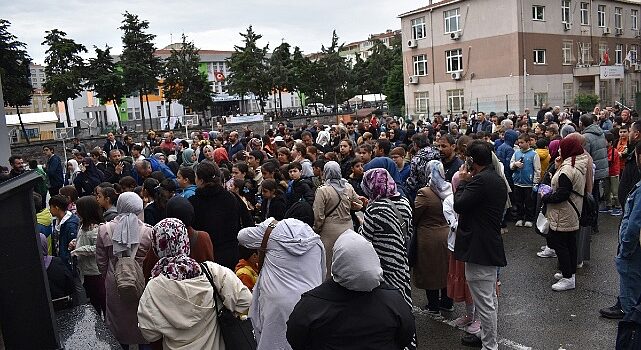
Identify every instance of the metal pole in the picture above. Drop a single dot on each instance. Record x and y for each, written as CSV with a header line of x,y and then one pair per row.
x,y
5,150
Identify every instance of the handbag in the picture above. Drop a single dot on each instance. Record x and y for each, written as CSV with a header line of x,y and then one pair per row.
x,y
237,334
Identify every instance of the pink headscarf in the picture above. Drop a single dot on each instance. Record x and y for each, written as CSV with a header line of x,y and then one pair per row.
x,y
378,183
554,149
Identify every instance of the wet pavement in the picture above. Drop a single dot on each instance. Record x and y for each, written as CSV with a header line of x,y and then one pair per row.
x,y
531,315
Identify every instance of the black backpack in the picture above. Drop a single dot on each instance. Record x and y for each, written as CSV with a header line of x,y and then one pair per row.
x,y
589,212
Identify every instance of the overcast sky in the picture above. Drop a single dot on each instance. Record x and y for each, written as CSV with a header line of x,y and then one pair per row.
x,y
211,25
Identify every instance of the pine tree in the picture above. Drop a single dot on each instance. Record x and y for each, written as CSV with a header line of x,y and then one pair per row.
x,y
334,72
64,68
249,69
105,79
14,72
304,77
280,71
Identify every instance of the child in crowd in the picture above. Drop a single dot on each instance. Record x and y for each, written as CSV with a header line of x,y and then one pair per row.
x,y
526,167
127,184
317,167
610,193
247,267
186,179
299,188
398,156
273,203
107,198
71,194
356,177
544,154
65,227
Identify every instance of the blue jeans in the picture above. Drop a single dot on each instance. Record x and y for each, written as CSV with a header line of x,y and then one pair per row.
x,y
629,270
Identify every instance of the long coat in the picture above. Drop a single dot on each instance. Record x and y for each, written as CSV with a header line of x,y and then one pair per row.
x,y
430,271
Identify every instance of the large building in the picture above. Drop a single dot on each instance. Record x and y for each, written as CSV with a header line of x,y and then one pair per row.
x,y
39,99
500,55
364,47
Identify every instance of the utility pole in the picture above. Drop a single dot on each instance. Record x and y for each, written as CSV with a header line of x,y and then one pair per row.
x,y
5,150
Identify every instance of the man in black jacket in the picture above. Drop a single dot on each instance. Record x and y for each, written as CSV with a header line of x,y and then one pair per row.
x,y
116,168
480,200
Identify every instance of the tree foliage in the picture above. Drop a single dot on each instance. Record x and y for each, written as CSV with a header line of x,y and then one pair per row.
x,y
586,102
14,71
304,73
249,73
333,73
105,79
64,68
280,71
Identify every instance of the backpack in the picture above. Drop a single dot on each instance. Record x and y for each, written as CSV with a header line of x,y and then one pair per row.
x,y
130,281
589,211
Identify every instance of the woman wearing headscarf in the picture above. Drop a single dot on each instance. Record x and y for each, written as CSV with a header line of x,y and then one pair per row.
x,y
72,171
188,157
323,139
568,187
355,309
332,208
88,178
432,229
221,158
178,303
126,235
389,165
387,223
60,278
294,263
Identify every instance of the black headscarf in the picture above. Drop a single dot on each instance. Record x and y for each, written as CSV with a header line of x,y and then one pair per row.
x,y
302,211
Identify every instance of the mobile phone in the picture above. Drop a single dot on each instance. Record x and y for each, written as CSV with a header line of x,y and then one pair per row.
x,y
469,161
521,160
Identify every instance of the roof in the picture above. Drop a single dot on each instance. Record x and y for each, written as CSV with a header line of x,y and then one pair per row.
x,y
32,118
428,7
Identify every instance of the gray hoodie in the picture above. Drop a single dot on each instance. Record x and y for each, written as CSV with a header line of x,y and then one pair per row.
x,y
597,147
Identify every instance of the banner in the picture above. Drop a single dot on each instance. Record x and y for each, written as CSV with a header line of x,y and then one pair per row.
x,y
612,72
245,119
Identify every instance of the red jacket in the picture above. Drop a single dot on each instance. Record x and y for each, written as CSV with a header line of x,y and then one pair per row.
x,y
614,161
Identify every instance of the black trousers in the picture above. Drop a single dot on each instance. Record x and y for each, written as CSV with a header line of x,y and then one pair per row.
x,y
596,193
564,244
524,203
434,302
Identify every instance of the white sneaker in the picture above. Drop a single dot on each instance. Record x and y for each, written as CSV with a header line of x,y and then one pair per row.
x,y
543,247
547,253
579,265
558,276
519,223
528,224
564,284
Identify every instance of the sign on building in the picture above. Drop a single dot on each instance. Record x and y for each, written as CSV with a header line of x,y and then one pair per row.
x,y
611,72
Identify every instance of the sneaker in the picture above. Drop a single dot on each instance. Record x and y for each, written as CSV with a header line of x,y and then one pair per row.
x,y
547,253
612,312
579,265
543,247
558,276
504,230
472,341
447,308
519,223
474,327
528,224
564,284
433,313
616,212
604,210
463,321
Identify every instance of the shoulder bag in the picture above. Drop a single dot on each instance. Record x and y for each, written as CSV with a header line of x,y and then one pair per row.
x,y
237,334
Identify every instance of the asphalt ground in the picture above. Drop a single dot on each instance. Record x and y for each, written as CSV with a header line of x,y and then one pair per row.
x,y
532,315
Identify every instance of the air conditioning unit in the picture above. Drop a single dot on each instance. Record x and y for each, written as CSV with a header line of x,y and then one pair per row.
x,y
412,43
456,76
619,31
456,35
413,79
566,26
606,31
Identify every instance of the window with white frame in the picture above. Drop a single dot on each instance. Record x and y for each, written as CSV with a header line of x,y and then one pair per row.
x,y
634,19
565,11
585,50
633,53
454,60
568,94
420,64
455,100
418,28
539,56
603,48
538,12
540,98
567,52
422,100
585,13
618,54
600,16
618,18
452,18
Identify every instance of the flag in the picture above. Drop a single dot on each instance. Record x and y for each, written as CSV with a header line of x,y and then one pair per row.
x,y
606,58
628,57
219,76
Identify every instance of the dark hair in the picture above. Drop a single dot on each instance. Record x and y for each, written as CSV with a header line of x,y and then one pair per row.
x,y
385,145
50,147
239,184
319,163
13,158
89,211
355,161
637,148
420,139
609,137
301,148
110,193
128,182
37,202
305,133
151,186
137,148
525,137
246,253
480,151
158,175
258,155
449,138
271,185
166,190
69,191
294,165
95,153
209,174
542,142
587,120
242,167
33,164
188,173
61,202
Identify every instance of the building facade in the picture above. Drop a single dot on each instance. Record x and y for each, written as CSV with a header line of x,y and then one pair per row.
x,y
363,48
511,55
39,99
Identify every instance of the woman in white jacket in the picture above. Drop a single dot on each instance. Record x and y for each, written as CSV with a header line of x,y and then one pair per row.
x,y
178,302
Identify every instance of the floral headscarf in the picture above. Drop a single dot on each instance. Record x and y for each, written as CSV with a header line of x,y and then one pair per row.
x,y
378,183
171,244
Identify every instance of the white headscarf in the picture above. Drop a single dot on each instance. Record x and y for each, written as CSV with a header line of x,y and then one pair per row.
x,y
355,264
74,163
127,231
333,177
437,181
323,138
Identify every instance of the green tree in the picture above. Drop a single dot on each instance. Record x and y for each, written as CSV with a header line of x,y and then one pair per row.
x,y
64,68
280,71
105,79
586,102
334,73
303,76
14,72
379,65
395,90
140,66
249,69
359,77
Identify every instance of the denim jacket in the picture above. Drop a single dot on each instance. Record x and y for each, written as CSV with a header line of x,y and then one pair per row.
x,y
630,225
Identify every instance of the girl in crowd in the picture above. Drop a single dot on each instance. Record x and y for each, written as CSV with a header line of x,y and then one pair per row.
x,y
284,156
157,195
72,171
107,198
274,203
84,248
189,157
208,154
346,154
221,158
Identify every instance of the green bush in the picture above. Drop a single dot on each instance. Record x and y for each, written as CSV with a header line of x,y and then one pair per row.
x,y
586,102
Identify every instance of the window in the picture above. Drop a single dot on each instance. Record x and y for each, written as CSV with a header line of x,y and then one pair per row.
x,y
454,60
418,28
586,53
600,16
420,64
618,54
455,100
539,56
567,52
568,94
585,14
538,13
565,11
33,133
452,18
633,53
422,102
603,48
540,98
634,18
618,18
159,111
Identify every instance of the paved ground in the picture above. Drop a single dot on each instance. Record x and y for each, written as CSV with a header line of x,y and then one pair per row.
x,y
531,315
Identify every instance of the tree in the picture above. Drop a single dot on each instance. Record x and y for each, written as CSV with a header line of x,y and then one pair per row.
x,y
280,71
395,90
105,79
14,72
334,72
140,67
359,77
303,76
249,69
586,101
64,68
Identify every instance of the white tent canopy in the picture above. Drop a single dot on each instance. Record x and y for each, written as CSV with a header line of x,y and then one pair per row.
x,y
32,118
367,98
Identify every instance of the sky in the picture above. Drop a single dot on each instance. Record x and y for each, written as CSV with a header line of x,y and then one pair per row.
x,y
212,25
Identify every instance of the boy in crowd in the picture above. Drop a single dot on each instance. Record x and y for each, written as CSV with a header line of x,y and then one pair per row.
x,y
403,167
612,181
186,179
526,167
65,227
299,188
247,267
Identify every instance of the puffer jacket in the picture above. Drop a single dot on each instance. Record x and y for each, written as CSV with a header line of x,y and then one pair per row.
x,y
561,215
597,146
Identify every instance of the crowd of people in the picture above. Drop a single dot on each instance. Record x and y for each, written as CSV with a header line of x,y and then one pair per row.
x,y
317,233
